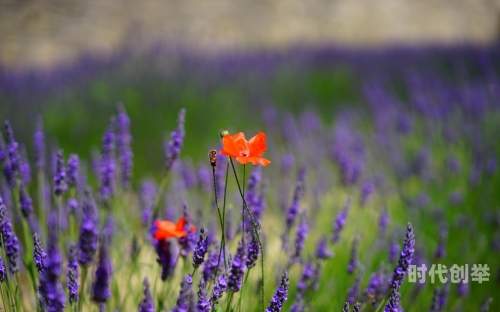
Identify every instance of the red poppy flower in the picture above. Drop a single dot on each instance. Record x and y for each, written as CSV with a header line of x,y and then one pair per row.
x,y
167,229
245,151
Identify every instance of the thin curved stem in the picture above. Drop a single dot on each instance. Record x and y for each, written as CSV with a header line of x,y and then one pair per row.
x,y
256,228
223,226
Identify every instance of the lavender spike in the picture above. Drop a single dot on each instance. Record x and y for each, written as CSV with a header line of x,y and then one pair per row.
x,y
174,146
341,221
281,294
147,303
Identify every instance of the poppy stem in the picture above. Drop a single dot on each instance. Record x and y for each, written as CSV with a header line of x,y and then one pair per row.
x,y
243,208
243,227
256,229
222,249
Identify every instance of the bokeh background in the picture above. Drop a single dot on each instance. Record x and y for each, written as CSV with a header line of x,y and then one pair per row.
x,y
415,77
78,59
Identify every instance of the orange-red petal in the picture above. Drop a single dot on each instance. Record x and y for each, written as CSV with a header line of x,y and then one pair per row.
x,y
180,224
257,145
253,160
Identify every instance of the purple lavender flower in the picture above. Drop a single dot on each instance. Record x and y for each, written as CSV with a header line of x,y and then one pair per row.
x,y
50,289
393,304
353,260
12,147
357,307
187,242
182,304
462,288
89,231
95,162
203,303
383,222
436,301
174,146
346,307
211,265
9,173
353,291
200,249
293,210
11,243
453,164
39,254
147,195
486,305
253,251
341,221
220,287
26,202
367,191
440,252
323,252
72,206
401,270
3,271
107,172
443,295
287,162
300,237
3,150
404,259
73,274
393,249
188,174
456,197
39,144
123,140
238,268
308,270
60,186
167,257
24,166
147,303
204,178
72,170
280,296
252,196
100,288
377,287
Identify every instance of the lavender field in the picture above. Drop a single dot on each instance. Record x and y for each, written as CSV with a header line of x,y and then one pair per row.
x,y
126,184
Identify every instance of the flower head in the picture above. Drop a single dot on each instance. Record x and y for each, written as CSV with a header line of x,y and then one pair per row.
x,y
245,151
147,304
167,229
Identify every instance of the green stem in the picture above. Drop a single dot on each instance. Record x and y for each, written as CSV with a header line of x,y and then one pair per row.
x,y
222,249
256,228
31,270
3,297
382,303
41,198
18,292
82,288
132,271
231,294
243,208
241,292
